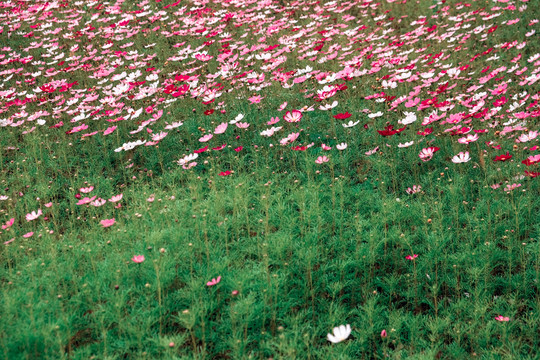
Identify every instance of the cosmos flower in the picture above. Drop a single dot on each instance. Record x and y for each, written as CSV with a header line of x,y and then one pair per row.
x,y
340,334
461,157
214,281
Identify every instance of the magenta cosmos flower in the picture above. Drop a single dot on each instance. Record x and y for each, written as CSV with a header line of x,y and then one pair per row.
x,y
138,259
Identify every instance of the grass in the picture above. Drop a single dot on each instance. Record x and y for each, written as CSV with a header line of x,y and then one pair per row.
x,y
300,247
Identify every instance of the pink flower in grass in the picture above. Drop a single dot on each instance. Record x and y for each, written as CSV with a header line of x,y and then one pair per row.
x,y
138,259
33,215
427,153
502,318
411,257
107,222
8,224
292,116
214,281
321,160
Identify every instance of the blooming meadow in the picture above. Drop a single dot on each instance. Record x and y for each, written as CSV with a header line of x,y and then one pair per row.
x,y
269,179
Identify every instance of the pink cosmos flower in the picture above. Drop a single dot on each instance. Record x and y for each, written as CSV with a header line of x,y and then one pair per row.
x,y
27,235
109,130
468,139
384,334
242,125
86,200
273,120
116,198
8,224
220,129
107,222
206,137
502,318
427,153
214,281
371,152
255,99
33,215
86,190
321,160
411,257
509,187
138,259
292,116
414,189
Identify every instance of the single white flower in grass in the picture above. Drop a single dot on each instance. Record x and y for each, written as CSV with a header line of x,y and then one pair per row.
x,y
462,157
350,124
341,333
341,146
407,144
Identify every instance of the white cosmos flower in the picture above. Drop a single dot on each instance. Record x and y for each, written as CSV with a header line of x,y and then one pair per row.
x,y
187,159
350,124
236,119
410,117
374,115
407,144
341,333
462,157
328,106
341,146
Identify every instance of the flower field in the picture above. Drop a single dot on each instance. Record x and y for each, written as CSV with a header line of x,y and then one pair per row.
x,y
270,179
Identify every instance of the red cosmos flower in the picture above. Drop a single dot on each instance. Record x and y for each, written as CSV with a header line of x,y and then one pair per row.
x,y
219,147
342,116
201,150
238,149
299,148
425,132
429,101
500,102
209,112
503,157
389,130
225,173
532,174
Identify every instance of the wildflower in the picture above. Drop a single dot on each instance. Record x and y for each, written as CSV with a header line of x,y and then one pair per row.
x,y
462,157
427,153
509,187
502,318
321,160
414,189
214,281
292,116
108,222
503,157
340,333
138,259
411,257
384,334
33,215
